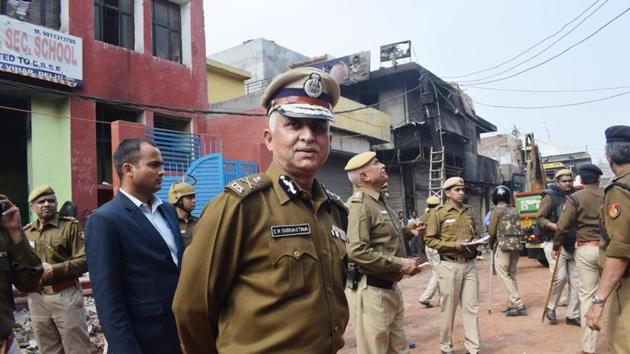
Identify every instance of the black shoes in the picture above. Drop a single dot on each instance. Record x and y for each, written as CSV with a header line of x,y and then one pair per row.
x,y
425,304
574,321
517,311
551,316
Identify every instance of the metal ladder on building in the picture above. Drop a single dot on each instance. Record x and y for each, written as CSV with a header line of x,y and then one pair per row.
x,y
436,172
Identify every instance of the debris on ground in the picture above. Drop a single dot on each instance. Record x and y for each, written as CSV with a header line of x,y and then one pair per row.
x,y
24,330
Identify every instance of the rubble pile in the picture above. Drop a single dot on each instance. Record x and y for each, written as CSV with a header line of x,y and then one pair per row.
x,y
24,330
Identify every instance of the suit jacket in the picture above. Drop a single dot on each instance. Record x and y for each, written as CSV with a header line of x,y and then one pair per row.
x,y
133,277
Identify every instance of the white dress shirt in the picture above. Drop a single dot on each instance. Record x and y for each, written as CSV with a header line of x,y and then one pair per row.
x,y
153,215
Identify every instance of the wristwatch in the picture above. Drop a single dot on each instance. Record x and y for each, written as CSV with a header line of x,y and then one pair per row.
x,y
597,300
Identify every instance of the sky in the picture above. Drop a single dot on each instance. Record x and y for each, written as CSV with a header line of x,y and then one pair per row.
x,y
454,38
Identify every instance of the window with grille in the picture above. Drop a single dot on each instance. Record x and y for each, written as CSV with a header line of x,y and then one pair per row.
x,y
170,123
113,22
167,31
38,12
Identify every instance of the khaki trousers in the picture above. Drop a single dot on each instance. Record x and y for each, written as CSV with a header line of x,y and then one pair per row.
x,y
566,274
459,285
59,322
432,287
506,262
618,313
377,317
588,274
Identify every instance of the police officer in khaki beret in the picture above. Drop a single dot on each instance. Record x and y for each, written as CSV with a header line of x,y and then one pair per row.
x,y
182,196
19,266
432,256
613,289
377,250
57,309
551,204
265,272
581,211
451,225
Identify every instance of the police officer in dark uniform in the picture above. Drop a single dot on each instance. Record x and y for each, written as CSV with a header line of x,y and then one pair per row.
x,y
614,285
265,272
19,266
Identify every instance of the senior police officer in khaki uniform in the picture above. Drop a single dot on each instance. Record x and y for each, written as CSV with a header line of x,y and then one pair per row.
x,y
182,196
377,248
265,272
581,211
548,214
57,309
450,226
614,285
19,266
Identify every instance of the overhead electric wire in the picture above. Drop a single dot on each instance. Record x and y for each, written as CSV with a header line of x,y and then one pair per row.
x,y
547,91
540,52
449,87
528,49
557,55
554,106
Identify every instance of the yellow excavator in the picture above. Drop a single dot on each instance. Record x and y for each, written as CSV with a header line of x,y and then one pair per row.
x,y
527,203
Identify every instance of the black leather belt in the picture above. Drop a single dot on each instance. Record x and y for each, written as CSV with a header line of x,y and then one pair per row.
x,y
379,283
444,257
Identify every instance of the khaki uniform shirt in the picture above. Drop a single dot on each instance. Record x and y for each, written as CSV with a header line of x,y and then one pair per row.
x,y
187,226
616,218
448,224
377,238
26,268
581,211
60,243
266,271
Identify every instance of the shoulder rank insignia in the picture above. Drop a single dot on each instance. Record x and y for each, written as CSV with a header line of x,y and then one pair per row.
x,y
357,197
614,210
288,186
248,184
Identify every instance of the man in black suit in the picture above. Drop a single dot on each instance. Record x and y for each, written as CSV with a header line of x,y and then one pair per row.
x,y
134,251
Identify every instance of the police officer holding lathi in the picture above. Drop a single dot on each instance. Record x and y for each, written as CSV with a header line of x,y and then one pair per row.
x,y
613,289
57,309
377,253
19,266
183,197
551,204
505,236
266,269
451,226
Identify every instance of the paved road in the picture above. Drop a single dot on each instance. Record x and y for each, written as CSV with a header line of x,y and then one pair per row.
x,y
499,334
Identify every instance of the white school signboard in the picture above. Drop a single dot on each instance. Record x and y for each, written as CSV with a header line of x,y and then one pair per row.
x,y
40,52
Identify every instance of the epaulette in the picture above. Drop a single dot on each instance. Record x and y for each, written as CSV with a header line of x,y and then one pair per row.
x,y
618,184
68,218
247,185
466,206
27,226
441,206
357,197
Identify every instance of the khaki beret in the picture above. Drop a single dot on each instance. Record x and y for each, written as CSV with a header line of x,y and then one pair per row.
x,y
359,160
453,182
433,200
302,93
563,172
40,191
